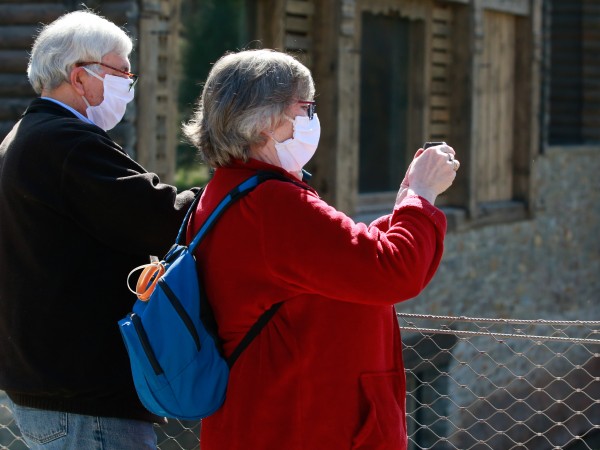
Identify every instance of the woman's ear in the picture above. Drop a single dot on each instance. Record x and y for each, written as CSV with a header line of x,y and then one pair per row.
x,y
264,137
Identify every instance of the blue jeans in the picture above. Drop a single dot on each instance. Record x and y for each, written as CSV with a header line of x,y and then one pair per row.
x,y
55,430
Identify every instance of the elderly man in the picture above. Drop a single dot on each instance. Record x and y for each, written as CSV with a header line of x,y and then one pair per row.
x,y
76,215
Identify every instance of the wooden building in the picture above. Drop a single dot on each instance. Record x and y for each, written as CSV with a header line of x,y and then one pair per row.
x,y
392,74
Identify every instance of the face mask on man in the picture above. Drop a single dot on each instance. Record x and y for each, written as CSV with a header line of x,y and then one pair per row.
x,y
294,153
117,93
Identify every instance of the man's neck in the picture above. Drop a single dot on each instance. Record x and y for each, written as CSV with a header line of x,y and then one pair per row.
x,y
65,94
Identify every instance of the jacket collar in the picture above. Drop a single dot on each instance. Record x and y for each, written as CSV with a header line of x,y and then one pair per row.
x,y
256,165
40,105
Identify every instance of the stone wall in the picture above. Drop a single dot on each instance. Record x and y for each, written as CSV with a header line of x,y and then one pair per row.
x,y
547,267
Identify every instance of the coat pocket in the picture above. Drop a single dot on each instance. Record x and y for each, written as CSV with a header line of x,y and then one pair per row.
x,y
383,412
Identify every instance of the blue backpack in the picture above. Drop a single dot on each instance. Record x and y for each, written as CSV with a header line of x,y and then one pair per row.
x,y
171,339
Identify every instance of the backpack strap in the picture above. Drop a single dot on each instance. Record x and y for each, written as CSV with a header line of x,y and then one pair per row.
x,y
186,219
236,193
233,195
252,333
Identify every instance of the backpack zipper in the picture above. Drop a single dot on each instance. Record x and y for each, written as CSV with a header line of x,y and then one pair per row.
x,y
139,329
180,310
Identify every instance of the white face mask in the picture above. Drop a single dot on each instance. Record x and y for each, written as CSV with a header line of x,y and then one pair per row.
x,y
297,151
116,96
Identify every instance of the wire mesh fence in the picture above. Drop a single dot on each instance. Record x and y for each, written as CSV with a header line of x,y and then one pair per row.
x,y
474,384
502,384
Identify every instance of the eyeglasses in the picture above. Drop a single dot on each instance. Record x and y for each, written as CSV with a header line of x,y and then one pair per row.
x,y
134,78
311,107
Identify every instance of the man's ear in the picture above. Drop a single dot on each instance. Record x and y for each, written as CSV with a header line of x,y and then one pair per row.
x,y
75,79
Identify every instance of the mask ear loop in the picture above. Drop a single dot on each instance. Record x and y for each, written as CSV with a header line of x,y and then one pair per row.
x,y
147,280
94,74
289,119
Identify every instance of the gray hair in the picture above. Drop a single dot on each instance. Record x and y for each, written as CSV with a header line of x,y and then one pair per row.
x,y
244,94
74,37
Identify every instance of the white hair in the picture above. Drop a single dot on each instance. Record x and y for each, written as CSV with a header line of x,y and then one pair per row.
x,y
75,37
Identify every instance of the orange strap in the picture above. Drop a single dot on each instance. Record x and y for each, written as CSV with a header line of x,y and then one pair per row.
x,y
146,283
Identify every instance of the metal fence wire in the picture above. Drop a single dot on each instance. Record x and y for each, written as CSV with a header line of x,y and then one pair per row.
x,y
502,384
474,384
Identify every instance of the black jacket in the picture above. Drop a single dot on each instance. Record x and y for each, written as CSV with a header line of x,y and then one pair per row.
x,y
76,215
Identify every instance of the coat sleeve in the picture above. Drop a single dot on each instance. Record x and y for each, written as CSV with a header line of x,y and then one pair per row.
x,y
117,201
310,245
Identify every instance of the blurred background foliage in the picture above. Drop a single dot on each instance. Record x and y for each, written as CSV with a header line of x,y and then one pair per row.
x,y
209,29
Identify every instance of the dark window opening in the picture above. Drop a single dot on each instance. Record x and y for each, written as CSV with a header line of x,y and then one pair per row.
x,y
383,102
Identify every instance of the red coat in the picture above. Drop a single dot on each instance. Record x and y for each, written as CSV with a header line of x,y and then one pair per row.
x,y
326,372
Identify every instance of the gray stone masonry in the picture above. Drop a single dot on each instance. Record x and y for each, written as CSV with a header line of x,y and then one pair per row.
x,y
547,267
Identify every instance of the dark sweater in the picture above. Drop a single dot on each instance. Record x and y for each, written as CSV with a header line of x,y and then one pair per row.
x,y
76,215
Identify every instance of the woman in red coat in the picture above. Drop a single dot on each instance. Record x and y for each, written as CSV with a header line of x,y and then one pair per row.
x,y
326,372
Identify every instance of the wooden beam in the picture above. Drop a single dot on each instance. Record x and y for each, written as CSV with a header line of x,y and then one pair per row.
x,y
26,13
270,24
11,108
514,7
146,97
13,61
15,85
325,26
302,8
297,42
297,24
440,101
17,37
458,102
475,43
347,119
